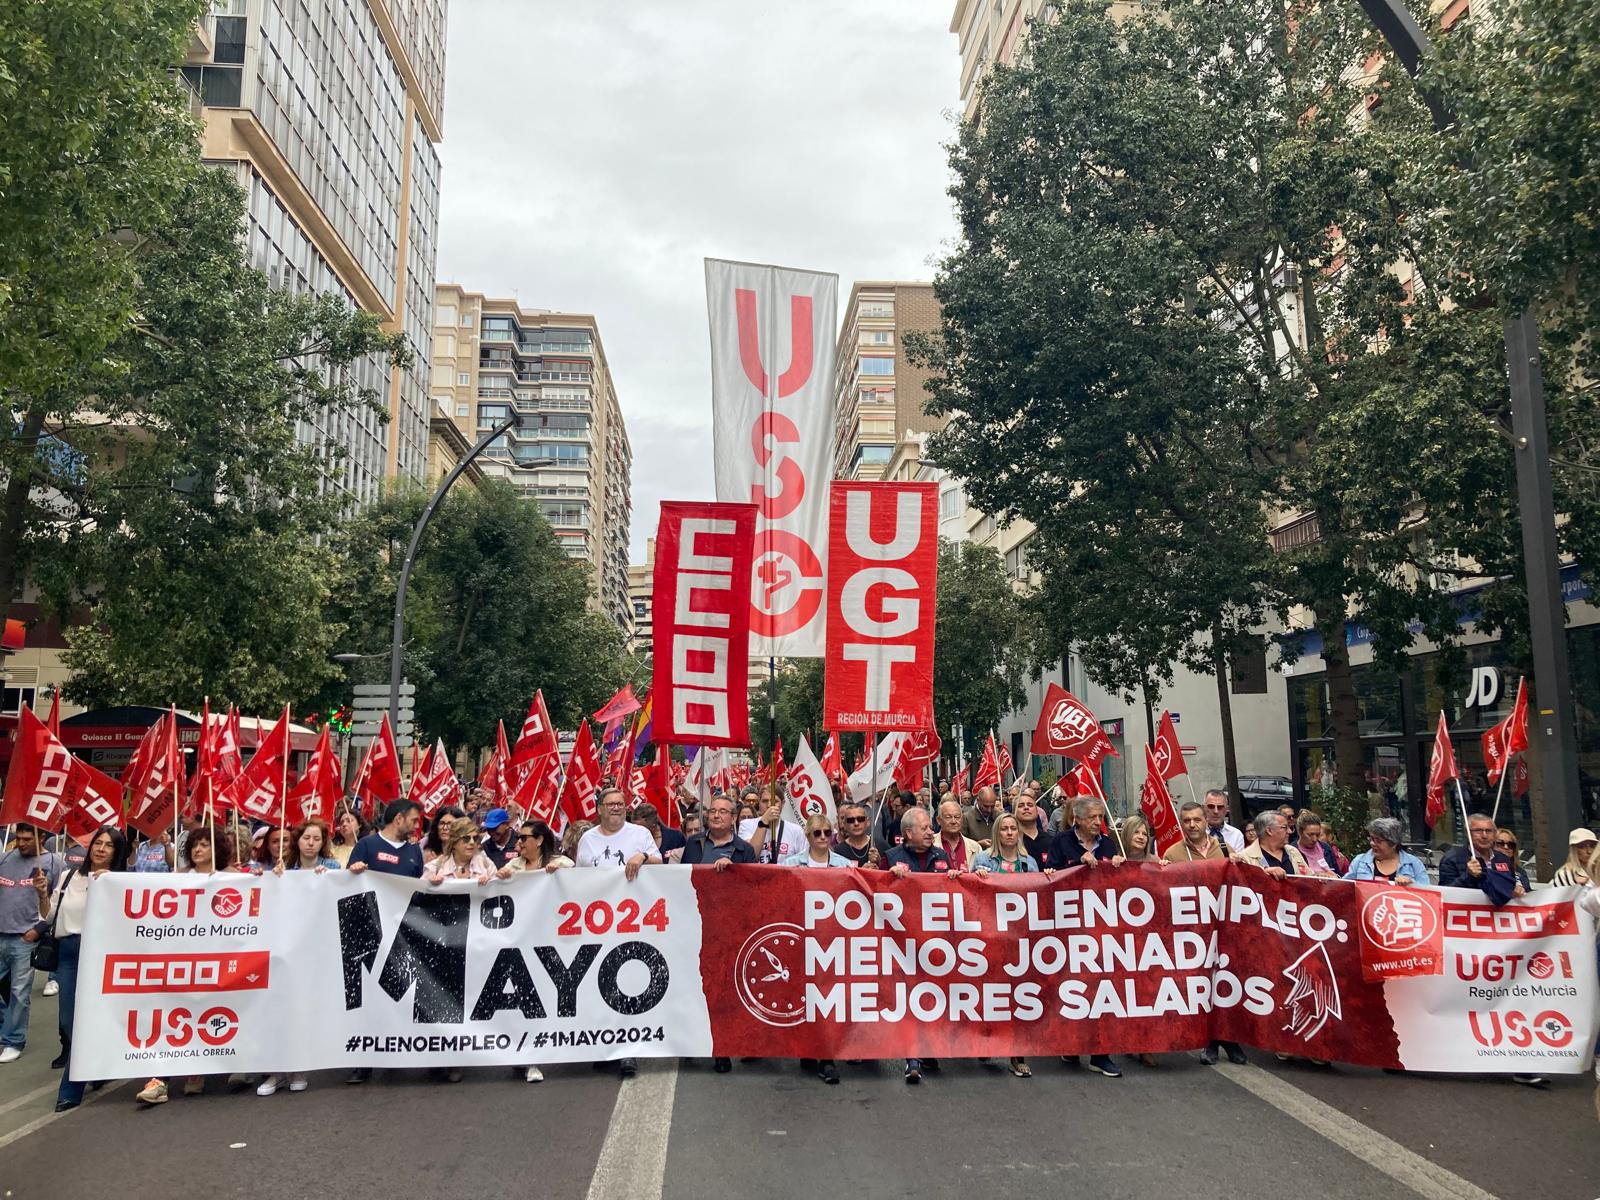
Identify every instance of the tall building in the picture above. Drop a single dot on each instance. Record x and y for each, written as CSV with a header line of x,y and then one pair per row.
x,y
328,112
878,393
992,31
571,454
641,593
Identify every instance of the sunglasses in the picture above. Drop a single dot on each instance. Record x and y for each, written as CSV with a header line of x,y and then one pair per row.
x,y
854,820
529,837
822,833
1505,842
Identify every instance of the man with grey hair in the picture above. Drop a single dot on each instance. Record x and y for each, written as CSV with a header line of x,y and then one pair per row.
x,y
1084,842
917,855
1271,850
978,821
1216,804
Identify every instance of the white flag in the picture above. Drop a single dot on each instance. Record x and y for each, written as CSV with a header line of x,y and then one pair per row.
x,y
809,793
864,784
772,410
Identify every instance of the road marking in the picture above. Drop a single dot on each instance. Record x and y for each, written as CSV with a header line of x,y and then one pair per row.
x,y
36,1094
39,1123
1422,1176
633,1160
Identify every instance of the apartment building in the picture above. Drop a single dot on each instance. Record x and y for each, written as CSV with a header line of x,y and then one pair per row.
x,y
571,454
329,113
878,393
641,595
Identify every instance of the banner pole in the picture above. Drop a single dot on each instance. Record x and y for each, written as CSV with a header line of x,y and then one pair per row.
x,y
1466,832
877,812
283,807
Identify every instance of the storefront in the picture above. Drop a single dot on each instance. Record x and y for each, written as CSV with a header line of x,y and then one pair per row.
x,y
1399,713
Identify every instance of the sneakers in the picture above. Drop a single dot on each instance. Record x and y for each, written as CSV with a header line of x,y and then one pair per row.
x,y
10,1054
913,1070
1535,1081
1235,1054
359,1075
627,1068
51,988
827,1072
1106,1065
155,1092
268,1086
194,1085
298,1083
533,1075
453,1075
60,1060
1208,1056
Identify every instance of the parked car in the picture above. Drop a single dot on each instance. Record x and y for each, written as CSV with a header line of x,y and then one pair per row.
x,y
1264,791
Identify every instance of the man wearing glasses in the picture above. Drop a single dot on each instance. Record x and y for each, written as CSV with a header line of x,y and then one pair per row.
x,y
857,843
1480,865
718,846
1217,826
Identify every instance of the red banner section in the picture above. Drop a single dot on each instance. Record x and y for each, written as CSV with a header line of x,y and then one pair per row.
x,y
1109,960
704,553
883,565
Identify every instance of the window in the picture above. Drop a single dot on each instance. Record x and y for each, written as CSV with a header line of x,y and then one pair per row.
x,y
229,40
219,87
12,700
1249,663
463,378
466,320
444,345
441,375
952,502
877,425
463,410
444,314
877,366
875,308
1017,562
877,337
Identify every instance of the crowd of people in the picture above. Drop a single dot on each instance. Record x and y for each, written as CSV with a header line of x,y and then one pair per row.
x,y
44,883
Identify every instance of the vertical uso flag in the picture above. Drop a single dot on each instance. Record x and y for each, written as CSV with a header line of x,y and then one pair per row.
x,y
704,553
883,560
772,333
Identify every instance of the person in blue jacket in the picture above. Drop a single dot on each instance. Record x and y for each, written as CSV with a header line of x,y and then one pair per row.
x,y
1479,865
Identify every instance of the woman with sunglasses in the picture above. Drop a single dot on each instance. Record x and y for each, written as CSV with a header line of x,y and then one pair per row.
x,y
819,851
1008,855
66,910
537,850
1505,841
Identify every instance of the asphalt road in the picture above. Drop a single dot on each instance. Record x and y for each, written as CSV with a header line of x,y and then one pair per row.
x,y
681,1132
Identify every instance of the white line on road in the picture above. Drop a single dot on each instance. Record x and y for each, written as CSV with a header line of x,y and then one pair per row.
x,y
39,1123
30,1097
1421,1175
633,1160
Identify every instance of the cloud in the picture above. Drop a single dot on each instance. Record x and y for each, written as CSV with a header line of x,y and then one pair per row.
x,y
595,153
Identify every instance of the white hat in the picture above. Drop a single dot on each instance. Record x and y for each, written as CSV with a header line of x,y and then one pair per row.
x,y
1579,836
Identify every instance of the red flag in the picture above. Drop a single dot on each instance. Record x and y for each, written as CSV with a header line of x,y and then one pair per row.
x,y
989,769
1508,737
962,783
1066,726
537,737
1440,772
1155,801
658,789
261,791
378,778
1168,755
38,784
53,721
775,768
419,774
1082,780
439,786
583,778
917,750
96,801
1007,767
619,761
489,778
619,706
153,798
504,776
832,764
1519,778
319,790
701,623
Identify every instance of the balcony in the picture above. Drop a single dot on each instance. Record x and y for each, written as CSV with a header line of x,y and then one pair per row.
x,y
1296,532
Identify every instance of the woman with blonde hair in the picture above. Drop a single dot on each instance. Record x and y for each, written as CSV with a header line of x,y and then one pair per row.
x,y
1140,841
819,851
1576,871
463,856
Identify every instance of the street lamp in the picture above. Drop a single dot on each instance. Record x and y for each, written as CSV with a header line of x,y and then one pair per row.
x,y
1554,728
397,648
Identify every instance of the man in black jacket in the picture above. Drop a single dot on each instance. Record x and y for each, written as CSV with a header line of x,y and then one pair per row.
x,y
1480,865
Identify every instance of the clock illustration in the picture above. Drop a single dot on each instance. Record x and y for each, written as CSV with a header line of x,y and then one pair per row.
x,y
768,975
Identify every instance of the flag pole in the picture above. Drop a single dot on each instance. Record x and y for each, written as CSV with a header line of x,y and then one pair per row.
x,y
1494,813
283,806
1461,799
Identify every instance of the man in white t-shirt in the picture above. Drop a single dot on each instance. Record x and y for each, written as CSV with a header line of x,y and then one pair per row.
x,y
770,836
616,843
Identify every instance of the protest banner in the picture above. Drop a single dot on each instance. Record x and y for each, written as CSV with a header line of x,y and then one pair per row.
x,y
188,975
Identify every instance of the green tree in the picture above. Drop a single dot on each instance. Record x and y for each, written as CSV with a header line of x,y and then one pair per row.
x,y
97,148
186,514
1175,313
494,612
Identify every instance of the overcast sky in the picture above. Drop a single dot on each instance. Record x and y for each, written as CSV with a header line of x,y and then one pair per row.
x,y
596,151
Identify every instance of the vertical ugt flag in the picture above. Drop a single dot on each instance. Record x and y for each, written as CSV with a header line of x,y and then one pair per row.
x,y
772,333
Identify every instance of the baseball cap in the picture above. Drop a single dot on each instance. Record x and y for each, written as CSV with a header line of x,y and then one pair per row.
x,y
1579,836
495,818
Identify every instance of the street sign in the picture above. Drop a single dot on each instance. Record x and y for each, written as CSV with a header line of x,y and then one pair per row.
x,y
381,690
359,742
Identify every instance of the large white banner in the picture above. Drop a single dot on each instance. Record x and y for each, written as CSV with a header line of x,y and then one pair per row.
x,y
185,976
772,400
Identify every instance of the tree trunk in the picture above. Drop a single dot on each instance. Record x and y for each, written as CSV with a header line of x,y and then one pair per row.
x,y
1230,755
1343,712
14,507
